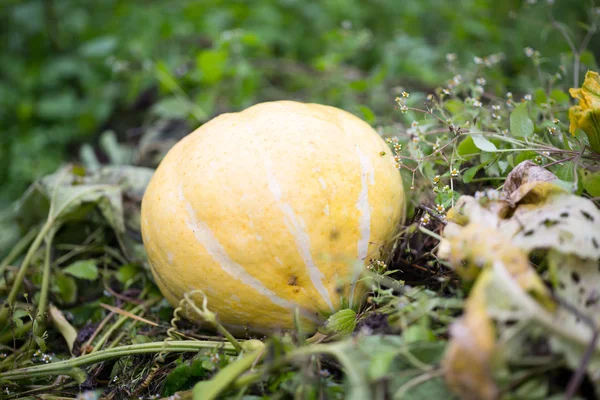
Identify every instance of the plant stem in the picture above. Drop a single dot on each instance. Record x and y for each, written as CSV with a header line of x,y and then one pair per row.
x,y
122,319
12,295
430,233
403,390
18,248
16,333
62,367
43,302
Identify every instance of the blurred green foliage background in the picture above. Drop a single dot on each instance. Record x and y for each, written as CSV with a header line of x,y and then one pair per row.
x,y
71,69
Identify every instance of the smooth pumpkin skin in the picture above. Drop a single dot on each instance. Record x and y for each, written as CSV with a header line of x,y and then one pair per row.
x,y
268,210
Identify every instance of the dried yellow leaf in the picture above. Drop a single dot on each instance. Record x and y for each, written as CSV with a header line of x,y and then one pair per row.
x,y
468,359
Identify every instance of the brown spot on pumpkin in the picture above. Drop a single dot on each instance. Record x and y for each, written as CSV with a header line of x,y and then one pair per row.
x,y
293,281
334,234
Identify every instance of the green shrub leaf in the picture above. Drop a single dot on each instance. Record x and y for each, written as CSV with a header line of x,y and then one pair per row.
x,y
520,123
84,269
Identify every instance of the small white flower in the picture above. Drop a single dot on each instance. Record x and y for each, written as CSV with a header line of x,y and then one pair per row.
x,y
529,51
527,97
481,81
495,107
454,172
425,219
478,60
477,103
451,57
414,124
546,153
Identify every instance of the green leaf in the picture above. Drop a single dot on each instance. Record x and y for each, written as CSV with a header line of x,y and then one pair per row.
x,y
116,152
166,79
171,107
418,333
525,155
368,114
520,123
40,342
587,58
470,173
73,202
591,183
177,379
127,273
483,144
539,96
99,47
467,147
84,269
342,322
78,375
565,172
58,105
66,288
559,96
503,165
212,65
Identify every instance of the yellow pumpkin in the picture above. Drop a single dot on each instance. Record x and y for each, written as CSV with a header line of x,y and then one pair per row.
x,y
268,210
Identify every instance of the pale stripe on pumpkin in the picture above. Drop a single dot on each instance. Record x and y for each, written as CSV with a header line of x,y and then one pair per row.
x,y
297,228
367,176
211,244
